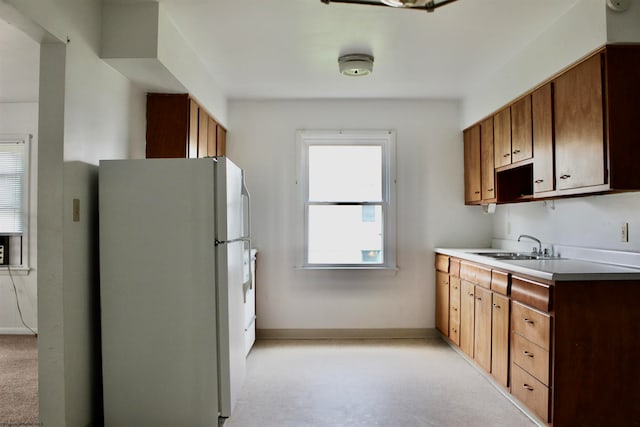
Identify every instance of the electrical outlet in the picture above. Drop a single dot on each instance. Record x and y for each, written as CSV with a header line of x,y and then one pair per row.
x,y
624,232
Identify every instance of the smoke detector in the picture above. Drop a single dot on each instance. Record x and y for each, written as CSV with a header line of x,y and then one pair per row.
x,y
358,64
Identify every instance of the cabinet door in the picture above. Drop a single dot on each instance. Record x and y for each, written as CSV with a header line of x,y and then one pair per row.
x,y
194,115
500,339
521,132
454,309
579,127
502,137
221,141
203,133
472,164
442,302
167,125
487,169
467,310
543,166
482,338
212,136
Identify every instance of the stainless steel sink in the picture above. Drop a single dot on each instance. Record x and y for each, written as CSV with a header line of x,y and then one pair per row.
x,y
516,256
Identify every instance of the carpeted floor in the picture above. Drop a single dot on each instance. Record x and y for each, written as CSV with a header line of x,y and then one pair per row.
x,y
18,380
390,383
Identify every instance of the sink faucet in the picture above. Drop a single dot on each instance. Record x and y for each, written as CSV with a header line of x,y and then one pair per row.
x,y
526,236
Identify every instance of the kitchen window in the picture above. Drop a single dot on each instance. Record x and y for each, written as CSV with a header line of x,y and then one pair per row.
x,y
347,187
14,189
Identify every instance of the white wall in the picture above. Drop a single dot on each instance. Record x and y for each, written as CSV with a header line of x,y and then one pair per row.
x,y
88,112
592,221
431,211
22,118
579,31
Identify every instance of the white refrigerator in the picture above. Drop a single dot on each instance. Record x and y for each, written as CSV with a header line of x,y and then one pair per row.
x,y
173,235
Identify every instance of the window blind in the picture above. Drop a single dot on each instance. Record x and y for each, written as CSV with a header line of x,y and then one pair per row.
x,y
12,180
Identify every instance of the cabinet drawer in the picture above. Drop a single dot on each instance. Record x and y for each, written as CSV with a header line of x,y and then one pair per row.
x,y
535,294
475,274
442,263
530,357
531,324
530,391
454,267
500,282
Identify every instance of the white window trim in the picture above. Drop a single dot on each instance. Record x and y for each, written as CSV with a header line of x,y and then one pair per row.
x,y
26,140
387,139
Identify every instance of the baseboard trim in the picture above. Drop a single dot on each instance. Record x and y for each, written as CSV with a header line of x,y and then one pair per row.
x,y
16,331
316,334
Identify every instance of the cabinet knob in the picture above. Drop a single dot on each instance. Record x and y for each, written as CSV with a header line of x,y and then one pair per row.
x,y
527,386
565,176
538,181
528,354
516,151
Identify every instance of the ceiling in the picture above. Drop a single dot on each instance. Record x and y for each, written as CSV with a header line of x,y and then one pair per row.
x,y
290,48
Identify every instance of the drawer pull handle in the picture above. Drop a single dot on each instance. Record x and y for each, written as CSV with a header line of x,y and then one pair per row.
x,y
496,305
528,387
454,330
538,181
565,176
454,309
516,151
455,287
446,283
479,299
489,190
528,354
506,155
477,192
471,295
529,321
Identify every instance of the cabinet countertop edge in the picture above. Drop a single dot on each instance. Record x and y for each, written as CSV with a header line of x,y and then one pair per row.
x,y
554,270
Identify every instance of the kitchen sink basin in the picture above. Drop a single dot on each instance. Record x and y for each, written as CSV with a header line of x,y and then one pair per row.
x,y
515,256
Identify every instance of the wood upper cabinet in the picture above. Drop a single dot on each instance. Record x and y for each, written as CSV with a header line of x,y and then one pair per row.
x,y
521,130
543,146
500,339
579,126
487,169
178,127
482,325
502,137
472,191
467,316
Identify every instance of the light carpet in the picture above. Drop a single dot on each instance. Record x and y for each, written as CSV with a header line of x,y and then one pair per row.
x,y
18,380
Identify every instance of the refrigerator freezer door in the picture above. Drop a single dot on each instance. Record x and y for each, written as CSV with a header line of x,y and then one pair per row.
x,y
229,266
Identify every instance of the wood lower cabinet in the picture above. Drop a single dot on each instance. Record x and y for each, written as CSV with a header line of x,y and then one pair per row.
x,y
442,302
500,339
467,316
482,325
454,309
567,350
178,127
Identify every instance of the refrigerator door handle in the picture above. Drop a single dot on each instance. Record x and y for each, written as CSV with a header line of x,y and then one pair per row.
x,y
245,193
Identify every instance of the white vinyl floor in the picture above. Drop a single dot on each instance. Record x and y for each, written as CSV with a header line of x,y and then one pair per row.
x,y
353,383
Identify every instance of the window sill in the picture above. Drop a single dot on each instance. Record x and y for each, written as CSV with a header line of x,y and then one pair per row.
x,y
17,270
347,267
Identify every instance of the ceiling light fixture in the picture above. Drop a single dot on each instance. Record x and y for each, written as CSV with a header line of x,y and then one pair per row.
x,y
428,5
358,64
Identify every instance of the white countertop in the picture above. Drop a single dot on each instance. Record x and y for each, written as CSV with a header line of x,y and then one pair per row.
x,y
564,269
